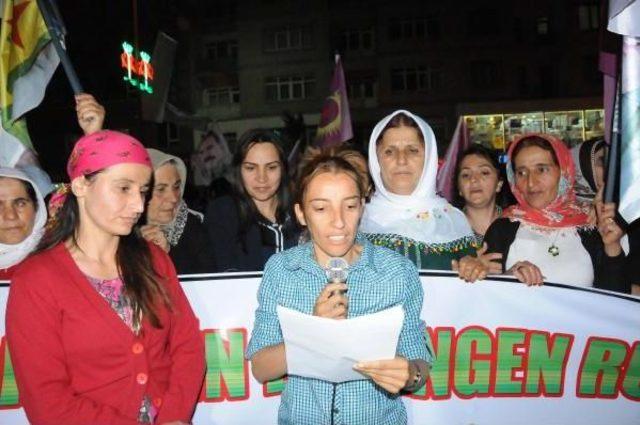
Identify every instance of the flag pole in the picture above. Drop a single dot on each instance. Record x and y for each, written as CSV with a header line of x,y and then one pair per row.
x,y
56,30
58,16
614,147
612,182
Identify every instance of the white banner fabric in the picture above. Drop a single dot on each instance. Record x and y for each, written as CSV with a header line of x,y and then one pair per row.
x,y
506,354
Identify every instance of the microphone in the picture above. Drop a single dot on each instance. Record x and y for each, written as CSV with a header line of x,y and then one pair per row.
x,y
337,270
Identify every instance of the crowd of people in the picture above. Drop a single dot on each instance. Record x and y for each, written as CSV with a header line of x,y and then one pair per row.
x,y
94,275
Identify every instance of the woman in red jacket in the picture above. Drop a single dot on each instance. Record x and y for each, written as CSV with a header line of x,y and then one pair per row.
x,y
98,327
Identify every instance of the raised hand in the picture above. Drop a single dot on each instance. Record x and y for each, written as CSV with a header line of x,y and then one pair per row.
x,y
609,230
90,113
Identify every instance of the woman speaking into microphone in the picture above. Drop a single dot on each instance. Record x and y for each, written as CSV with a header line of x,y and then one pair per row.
x,y
329,202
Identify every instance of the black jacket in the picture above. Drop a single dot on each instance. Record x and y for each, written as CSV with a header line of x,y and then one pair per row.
x,y
192,253
252,252
609,272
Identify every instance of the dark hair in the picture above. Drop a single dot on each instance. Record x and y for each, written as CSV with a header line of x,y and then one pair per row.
x,y
247,211
483,152
529,141
327,163
133,259
401,120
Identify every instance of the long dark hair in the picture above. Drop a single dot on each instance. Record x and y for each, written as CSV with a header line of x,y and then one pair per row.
x,y
248,213
133,259
492,158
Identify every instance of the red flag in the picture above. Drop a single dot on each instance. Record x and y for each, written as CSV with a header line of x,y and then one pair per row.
x,y
459,142
335,118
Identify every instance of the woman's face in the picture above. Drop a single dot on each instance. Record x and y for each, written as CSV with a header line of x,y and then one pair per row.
x,y
166,196
261,171
113,201
331,210
17,211
478,181
537,176
401,157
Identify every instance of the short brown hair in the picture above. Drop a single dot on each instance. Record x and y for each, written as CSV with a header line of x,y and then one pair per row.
x,y
326,163
344,151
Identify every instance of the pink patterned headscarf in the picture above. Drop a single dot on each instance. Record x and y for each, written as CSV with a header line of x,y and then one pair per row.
x,y
96,152
103,149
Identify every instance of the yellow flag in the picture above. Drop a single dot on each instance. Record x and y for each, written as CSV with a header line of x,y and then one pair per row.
x,y
27,62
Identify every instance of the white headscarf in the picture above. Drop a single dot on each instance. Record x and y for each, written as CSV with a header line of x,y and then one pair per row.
x,y
422,216
584,159
10,255
159,158
173,231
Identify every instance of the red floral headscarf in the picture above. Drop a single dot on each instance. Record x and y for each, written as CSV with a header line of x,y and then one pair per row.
x,y
564,211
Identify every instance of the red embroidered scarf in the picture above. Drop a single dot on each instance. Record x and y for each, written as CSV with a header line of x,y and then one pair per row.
x,y
564,211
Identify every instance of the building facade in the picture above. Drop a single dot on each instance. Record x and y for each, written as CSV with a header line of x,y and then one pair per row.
x,y
243,63
255,59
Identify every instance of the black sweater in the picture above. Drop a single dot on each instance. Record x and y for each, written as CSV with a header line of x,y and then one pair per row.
x,y
608,271
252,252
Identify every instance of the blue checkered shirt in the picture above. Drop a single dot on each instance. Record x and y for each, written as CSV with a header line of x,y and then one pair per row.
x,y
378,280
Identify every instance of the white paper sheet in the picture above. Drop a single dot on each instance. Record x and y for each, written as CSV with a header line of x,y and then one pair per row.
x,y
327,348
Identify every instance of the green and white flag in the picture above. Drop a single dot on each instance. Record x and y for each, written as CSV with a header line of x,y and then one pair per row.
x,y
27,62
